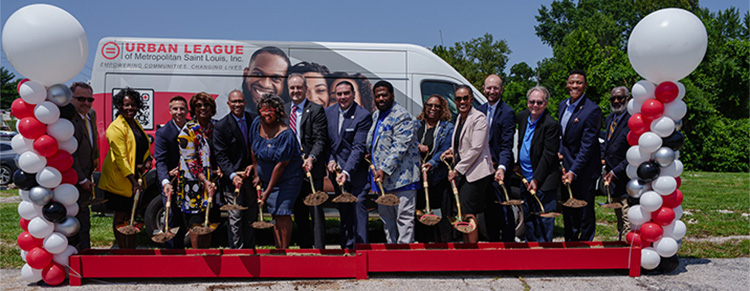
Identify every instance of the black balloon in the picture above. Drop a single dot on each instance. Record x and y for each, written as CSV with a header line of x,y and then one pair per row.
x,y
674,141
54,211
648,171
667,265
23,180
68,111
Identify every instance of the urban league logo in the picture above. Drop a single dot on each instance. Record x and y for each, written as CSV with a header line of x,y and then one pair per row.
x,y
110,50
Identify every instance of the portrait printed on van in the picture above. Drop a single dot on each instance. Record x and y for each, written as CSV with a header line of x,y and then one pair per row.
x,y
264,75
362,89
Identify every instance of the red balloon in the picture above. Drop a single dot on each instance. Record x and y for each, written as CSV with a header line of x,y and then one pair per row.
x,y
54,274
61,160
634,237
20,109
45,145
28,242
38,258
632,139
31,128
672,200
652,109
24,224
679,181
69,177
638,125
663,216
666,92
651,232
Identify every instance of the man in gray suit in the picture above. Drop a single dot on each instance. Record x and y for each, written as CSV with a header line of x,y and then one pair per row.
x,y
85,158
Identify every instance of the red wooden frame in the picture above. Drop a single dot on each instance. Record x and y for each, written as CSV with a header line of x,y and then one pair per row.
x,y
367,258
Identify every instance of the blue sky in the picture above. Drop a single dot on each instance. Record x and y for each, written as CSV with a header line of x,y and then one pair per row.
x,y
416,22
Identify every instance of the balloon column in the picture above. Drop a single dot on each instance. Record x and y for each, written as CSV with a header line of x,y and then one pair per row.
x,y
664,47
48,46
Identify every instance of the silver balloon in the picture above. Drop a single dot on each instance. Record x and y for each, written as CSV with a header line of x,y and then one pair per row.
x,y
59,94
15,160
40,195
664,156
678,125
635,188
68,227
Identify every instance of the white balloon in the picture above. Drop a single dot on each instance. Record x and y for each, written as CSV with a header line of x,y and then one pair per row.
x,y
45,44
31,163
55,243
663,126
632,172
664,185
634,107
650,259
666,247
21,144
63,258
61,130
635,227
667,45
32,92
70,145
28,210
24,195
49,177
680,92
674,170
677,212
651,201
635,157
638,216
649,142
40,227
675,110
47,112
23,255
30,274
71,209
66,194
675,230
642,91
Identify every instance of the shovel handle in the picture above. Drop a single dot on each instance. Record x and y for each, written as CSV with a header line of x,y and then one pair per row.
x,y
135,203
309,177
426,191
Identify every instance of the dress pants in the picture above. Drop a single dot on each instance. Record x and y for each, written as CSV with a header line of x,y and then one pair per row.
x,y
580,223
175,219
440,193
308,234
538,229
499,222
353,217
82,240
240,234
399,220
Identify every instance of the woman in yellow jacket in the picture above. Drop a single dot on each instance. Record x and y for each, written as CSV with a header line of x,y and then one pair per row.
x,y
127,159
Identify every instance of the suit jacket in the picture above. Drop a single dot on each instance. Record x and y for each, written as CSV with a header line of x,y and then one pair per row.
x,y
348,147
166,150
579,144
614,150
476,159
441,142
395,148
231,153
313,135
502,129
120,159
85,156
543,149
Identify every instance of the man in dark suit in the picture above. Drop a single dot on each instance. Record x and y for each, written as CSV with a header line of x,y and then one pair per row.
x,y
580,120
167,154
538,135
85,159
308,121
613,154
499,223
348,125
233,155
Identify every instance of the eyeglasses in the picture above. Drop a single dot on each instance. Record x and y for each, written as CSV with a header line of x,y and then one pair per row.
x,y
84,99
462,98
617,97
436,106
537,102
267,110
200,105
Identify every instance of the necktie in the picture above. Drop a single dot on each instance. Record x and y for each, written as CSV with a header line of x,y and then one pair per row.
x,y
243,129
293,119
341,120
489,115
612,127
88,129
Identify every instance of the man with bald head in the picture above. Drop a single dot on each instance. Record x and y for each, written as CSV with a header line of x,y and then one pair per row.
x,y
498,219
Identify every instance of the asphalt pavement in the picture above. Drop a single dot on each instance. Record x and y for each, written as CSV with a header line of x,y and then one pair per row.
x,y
692,274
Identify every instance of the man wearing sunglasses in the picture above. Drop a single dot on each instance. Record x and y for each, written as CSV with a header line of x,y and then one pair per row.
x,y
613,154
85,158
498,219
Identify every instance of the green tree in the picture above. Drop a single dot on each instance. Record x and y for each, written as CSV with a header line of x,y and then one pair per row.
x,y
8,92
476,58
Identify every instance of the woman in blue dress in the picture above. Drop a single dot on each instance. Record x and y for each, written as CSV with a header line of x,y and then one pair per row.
x,y
278,161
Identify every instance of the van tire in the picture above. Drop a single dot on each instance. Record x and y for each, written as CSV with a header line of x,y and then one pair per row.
x,y
153,217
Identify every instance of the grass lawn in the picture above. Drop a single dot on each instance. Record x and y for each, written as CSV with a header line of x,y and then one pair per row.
x,y
715,205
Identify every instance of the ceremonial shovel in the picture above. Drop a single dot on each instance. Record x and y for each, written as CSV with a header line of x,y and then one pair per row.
x,y
458,222
260,224
572,202
544,213
384,199
610,204
508,201
207,227
427,217
316,197
130,228
234,205
162,236
345,197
